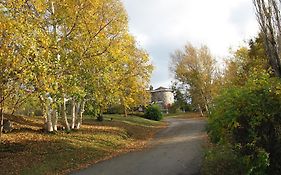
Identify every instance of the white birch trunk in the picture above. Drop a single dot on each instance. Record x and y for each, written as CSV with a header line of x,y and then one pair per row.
x,y
205,101
2,120
200,109
45,111
207,109
49,123
55,119
1,110
81,111
64,116
2,117
73,113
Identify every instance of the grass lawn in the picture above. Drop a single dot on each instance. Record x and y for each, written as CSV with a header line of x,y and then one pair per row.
x,y
186,115
28,150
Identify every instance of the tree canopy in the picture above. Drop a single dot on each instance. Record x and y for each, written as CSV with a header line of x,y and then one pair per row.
x,y
69,50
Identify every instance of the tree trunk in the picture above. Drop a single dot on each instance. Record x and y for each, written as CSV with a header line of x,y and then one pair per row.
x,y
207,109
205,101
1,111
125,111
268,15
81,111
48,119
200,110
73,113
124,107
2,119
45,111
54,114
64,116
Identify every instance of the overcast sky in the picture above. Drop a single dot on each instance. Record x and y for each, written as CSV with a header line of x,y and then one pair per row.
x,y
162,26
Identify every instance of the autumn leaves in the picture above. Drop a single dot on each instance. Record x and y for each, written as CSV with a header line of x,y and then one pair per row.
x,y
70,50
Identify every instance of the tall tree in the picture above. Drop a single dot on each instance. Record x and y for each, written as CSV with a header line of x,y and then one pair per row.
x,y
195,67
244,62
134,76
269,18
16,46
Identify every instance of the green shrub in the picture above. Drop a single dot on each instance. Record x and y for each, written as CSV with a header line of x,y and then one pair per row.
x,y
30,107
179,107
174,109
153,112
115,109
100,117
249,118
224,161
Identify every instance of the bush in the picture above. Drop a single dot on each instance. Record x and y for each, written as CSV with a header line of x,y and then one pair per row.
x,y
30,107
223,160
153,112
179,107
115,109
174,109
100,117
249,118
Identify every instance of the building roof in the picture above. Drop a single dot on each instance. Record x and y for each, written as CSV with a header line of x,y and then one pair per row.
x,y
162,89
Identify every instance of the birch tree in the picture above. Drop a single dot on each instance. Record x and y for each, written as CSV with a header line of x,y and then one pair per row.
x,y
134,76
16,46
195,67
65,51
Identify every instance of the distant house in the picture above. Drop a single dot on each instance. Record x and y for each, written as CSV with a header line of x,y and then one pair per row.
x,y
162,96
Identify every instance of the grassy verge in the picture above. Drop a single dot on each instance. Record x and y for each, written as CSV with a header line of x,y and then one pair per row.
x,y
187,115
28,150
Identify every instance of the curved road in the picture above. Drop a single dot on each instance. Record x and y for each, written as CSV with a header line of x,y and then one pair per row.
x,y
176,150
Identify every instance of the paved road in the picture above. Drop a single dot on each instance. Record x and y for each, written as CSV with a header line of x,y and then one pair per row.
x,y
176,150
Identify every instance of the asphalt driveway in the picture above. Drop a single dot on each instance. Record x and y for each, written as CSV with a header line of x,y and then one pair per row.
x,y
176,150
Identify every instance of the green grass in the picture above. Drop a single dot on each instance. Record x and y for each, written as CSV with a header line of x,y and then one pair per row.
x,y
186,115
30,151
139,121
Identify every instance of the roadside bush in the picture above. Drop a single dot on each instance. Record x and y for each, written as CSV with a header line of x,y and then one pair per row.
x,y
153,112
223,160
115,109
249,118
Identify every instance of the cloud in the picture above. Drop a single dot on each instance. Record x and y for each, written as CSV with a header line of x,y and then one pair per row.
x,y
162,26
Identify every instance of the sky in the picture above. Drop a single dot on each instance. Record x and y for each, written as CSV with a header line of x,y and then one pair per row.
x,y
163,26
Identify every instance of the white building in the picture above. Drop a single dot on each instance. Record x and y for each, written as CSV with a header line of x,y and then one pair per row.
x,y
162,96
